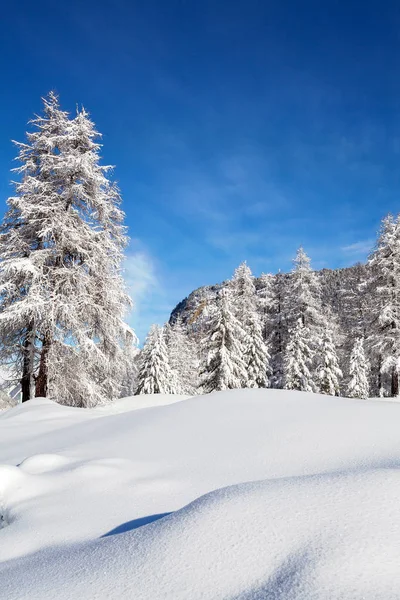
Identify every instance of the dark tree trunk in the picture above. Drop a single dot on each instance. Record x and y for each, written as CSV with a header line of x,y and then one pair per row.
x,y
42,376
27,366
379,375
26,379
395,384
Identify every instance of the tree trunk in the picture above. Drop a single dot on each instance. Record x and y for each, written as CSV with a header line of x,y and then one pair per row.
x,y
25,379
395,384
27,366
42,376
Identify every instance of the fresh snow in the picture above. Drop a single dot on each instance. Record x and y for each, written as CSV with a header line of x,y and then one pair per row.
x,y
242,494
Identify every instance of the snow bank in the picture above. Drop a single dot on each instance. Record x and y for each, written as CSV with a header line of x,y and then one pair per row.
x,y
130,504
141,401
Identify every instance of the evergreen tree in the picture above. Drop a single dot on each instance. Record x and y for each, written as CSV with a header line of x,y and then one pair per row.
x,y
303,301
358,385
303,296
328,371
243,295
131,363
384,340
223,365
298,360
276,331
155,375
248,305
182,357
346,295
265,300
256,356
243,290
62,297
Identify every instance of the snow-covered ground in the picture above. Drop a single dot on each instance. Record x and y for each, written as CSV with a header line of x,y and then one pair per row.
x,y
251,495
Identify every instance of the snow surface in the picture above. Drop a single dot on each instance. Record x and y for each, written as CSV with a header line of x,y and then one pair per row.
x,y
245,494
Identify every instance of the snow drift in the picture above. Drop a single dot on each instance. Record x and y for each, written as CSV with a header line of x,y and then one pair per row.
x,y
244,494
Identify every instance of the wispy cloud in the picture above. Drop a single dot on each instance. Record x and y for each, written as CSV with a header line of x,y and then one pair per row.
x,y
227,201
154,290
360,248
139,275
145,289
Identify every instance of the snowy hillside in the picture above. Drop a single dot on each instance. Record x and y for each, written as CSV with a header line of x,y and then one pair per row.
x,y
242,494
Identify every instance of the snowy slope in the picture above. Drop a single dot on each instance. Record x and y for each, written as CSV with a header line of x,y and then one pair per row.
x,y
121,503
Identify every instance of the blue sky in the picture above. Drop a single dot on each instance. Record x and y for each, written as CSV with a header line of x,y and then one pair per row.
x,y
239,129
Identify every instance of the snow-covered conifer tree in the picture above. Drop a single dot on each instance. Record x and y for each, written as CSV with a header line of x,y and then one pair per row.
x,y
358,386
243,292
243,295
276,330
247,304
384,340
303,301
298,360
265,300
328,371
303,296
131,368
63,300
256,356
346,294
183,357
223,366
155,375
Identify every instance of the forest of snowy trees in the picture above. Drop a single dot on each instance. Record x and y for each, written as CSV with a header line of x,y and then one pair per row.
x,y
334,332
63,300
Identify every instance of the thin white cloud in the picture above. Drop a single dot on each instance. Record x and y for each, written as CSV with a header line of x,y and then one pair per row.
x,y
154,290
140,275
145,289
226,190
359,248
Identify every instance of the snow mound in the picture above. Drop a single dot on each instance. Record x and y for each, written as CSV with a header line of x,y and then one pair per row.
x,y
318,537
141,401
40,463
247,494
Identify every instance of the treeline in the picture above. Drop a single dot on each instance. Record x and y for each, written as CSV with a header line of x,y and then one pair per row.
x,y
332,332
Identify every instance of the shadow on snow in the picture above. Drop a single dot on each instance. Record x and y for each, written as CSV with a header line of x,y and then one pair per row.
x,y
135,524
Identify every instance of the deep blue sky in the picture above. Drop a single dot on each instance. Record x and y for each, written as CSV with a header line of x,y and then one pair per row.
x,y
240,129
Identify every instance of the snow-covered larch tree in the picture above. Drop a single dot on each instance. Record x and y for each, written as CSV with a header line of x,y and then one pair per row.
x,y
265,301
276,334
384,341
358,386
130,372
243,293
155,375
328,372
223,366
183,357
303,296
63,299
242,286
303,301
257,357
298,360
248,308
